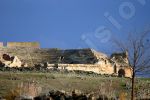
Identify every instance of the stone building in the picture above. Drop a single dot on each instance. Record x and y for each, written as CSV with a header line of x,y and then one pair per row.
x,y
121,64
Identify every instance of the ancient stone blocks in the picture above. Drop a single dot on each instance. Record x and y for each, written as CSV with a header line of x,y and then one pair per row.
x,y
23,44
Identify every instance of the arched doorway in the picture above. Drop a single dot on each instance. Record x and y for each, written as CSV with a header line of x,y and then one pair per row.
x,y
121,73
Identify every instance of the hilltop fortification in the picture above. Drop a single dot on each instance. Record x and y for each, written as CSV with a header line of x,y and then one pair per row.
x,y
69,59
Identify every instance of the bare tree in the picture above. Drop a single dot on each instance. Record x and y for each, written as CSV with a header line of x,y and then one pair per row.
x,y
138,47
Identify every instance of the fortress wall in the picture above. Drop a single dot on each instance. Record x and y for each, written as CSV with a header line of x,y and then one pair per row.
x,y
99,69
96,68
23,44
1,44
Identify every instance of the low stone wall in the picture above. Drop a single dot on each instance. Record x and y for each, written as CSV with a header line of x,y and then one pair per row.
x,y
85,67
96,68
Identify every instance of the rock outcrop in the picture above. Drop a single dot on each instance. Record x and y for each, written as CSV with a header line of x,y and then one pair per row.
x,y
10,61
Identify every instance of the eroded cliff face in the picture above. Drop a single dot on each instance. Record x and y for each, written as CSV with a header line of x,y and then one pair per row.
x,y
38,55
72,59
33,56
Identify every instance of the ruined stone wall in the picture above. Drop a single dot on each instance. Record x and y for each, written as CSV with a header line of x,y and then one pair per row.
x,y
127,71
96,68
23,44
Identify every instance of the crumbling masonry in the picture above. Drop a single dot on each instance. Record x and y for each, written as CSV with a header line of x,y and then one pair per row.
x,y
28,54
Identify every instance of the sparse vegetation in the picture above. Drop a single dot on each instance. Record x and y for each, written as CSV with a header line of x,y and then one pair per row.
x,y
137,47
16,83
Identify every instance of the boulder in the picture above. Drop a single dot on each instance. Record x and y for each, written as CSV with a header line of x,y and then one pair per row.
x,y
10,61
15,62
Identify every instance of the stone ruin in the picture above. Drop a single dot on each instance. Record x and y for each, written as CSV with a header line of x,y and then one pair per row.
x,y
20,44
69,59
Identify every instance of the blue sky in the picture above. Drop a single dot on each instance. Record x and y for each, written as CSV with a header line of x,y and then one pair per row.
x,y
72,23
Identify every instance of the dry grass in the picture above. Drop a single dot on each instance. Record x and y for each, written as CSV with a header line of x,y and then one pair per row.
x,y
25,83
23,90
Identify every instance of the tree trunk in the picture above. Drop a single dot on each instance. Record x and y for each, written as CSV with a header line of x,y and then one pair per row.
x,y
133,85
